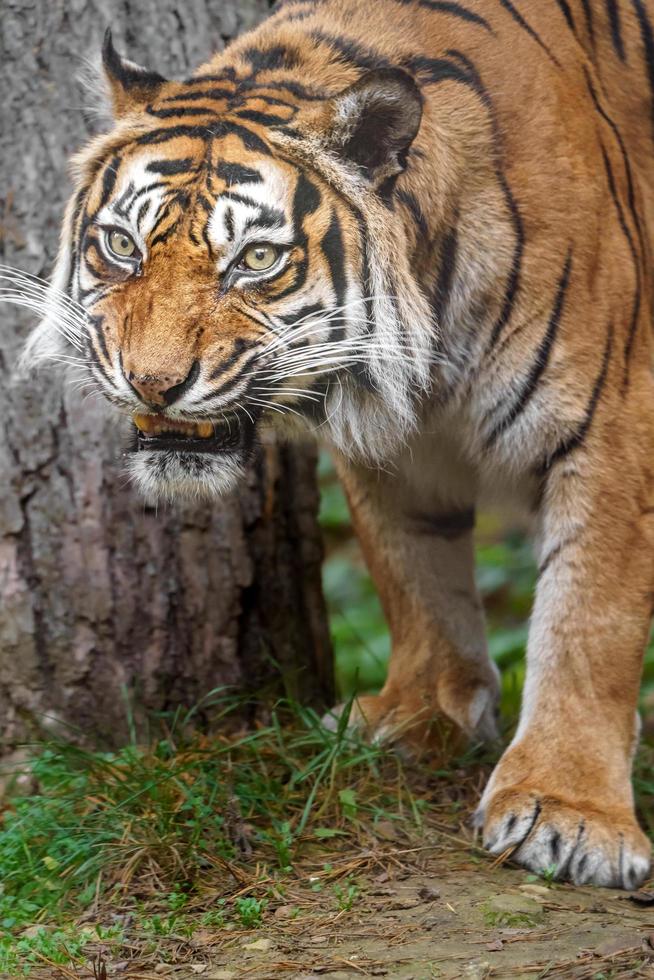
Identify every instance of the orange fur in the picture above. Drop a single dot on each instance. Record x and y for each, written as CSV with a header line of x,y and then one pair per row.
x,y
515,231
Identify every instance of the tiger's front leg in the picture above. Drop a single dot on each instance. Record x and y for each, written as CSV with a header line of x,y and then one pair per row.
x,y
561,796
441,688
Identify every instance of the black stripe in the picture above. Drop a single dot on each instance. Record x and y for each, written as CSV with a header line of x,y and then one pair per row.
x,y
168,168
349,50
210,93
613,12
590,26
163,236
304,313
250,140
567,13
455,9
119,205
222,128
556,551
332,248
108,181
272,59
625,159
411,201
449,526
181,111
473,79
513,281
306,200
93,353
239,347
229,224
648,44
447,265
240,198
236,173
295,88
540,361
205,203
172,132
229,384
142,211
633,326
262,118
161,217
254,93
228,75
519,19
578,437
207,241
266,217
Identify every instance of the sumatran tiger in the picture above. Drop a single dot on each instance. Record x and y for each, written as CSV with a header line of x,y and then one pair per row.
x,y
422,230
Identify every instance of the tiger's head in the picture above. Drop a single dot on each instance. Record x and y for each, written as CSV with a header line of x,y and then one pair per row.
x,y
233,255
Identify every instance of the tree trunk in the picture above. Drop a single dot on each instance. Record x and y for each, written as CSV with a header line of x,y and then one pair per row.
x,y
110,610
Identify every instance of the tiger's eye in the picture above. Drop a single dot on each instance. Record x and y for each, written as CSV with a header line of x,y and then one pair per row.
x,y
121,244
258,258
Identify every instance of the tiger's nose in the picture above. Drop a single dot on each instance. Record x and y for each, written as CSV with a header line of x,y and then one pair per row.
x,y
157,390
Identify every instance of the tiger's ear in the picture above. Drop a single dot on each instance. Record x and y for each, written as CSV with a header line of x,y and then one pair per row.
x,y
130,86
374,122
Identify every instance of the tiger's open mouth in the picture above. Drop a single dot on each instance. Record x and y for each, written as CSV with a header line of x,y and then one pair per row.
x,y
178,435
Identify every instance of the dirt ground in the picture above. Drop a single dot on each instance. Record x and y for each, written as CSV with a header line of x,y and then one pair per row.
x,y
450,922
411,914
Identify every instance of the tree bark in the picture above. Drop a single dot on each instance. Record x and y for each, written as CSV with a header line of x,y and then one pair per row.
x,y
108,608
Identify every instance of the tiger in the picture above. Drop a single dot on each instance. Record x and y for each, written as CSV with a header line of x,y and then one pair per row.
x,y
419,232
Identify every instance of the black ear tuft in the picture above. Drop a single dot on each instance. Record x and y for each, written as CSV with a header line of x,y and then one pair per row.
x,y
132,87
376,120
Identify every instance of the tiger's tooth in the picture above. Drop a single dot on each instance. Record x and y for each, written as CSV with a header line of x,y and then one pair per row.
x,y
204,429
144,423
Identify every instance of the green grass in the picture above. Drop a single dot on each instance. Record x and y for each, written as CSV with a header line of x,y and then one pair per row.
x,y
174,822
192,833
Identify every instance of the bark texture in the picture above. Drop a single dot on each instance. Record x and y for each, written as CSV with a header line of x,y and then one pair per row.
x,y
104,601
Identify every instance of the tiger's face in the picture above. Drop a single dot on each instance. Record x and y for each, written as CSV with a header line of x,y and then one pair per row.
x,y
215,283
228,273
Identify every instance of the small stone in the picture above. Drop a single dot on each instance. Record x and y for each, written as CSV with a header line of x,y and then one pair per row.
x,y
617,944
510,909
161,968
536,891
259,946
403,902
642,898
428,893
221,975
495,946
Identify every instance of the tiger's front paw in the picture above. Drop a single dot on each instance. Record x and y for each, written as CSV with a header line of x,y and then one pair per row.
x,y
585,844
